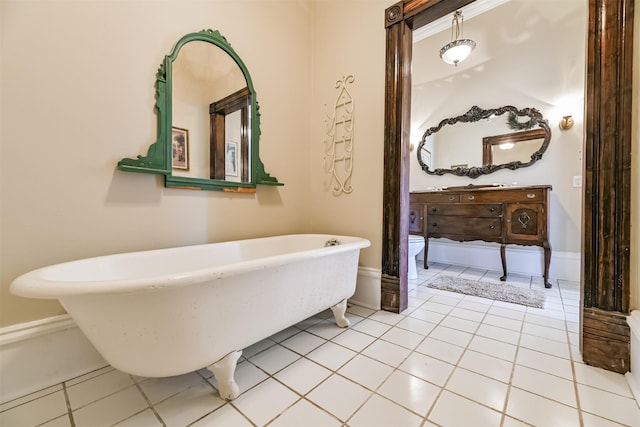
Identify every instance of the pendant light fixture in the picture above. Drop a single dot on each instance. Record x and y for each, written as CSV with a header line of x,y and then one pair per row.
x,y
459,48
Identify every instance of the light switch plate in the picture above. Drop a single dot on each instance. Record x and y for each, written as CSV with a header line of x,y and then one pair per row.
x,y
577,181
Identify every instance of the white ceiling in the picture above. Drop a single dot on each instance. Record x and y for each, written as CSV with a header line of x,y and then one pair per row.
x,y
444,23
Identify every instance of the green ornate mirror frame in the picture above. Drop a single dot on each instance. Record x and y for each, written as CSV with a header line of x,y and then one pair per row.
x,y
159,159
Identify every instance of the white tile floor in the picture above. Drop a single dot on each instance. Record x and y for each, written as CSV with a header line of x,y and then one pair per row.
x,y
449,360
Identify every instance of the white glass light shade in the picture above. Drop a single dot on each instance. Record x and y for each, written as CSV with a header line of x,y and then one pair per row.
x,y
457,51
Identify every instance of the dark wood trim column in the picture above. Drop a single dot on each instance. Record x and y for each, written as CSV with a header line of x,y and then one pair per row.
x,y
607,178
396,148
400,19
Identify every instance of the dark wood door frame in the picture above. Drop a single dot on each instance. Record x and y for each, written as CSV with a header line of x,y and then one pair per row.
x,y
607,170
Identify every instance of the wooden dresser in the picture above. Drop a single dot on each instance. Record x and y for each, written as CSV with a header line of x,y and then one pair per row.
x,y
505,215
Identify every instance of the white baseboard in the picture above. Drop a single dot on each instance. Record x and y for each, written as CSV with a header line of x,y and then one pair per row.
x,y
528,260
633,377
39,354
368,288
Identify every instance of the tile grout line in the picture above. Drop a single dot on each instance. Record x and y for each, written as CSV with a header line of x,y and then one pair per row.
x,y
514,364
360,352
425,418
205,379
456,366
375,391
149,404
570,359
513,370
68,402
335,372
573,367
304,356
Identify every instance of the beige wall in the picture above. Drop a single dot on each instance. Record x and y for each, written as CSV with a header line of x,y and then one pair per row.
x,y
349,39
77,95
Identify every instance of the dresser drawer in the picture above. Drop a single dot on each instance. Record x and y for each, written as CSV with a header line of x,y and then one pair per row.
x,y
451,226
466,209
435,197
504,195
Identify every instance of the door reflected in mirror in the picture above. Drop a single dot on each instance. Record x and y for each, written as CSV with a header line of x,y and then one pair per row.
x,y
233,128
230,137
511,147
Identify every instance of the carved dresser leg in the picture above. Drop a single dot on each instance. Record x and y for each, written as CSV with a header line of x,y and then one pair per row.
x,y
547,260
426,250
339,311
503,258
224,370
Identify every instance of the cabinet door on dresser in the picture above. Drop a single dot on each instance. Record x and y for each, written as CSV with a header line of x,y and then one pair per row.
x,y
416,218
525,223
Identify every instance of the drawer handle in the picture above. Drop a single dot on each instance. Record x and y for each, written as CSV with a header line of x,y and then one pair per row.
x,y
531,196
492,227
492,209
471,197
451,198
434,210
435,224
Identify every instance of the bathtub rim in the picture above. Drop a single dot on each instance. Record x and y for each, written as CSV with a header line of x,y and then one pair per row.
x,y
33,285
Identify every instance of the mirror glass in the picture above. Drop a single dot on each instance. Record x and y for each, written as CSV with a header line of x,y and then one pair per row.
x,y
483,141
203,74
208,120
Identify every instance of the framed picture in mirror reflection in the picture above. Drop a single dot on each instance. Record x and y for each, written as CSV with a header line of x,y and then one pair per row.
x,y
179,148
231,158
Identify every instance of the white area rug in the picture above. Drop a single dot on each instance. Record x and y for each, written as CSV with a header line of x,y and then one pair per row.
x,y
495,291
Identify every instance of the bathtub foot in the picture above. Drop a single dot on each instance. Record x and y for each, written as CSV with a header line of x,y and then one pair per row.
x,y
223,370
339,311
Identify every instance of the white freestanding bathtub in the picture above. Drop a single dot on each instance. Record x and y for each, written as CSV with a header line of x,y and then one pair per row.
x,y
171,311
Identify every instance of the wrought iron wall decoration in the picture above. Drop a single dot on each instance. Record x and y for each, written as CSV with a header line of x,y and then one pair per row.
x,y
338,150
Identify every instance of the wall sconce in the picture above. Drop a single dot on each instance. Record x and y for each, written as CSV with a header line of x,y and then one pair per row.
x,y
459,48
566,122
